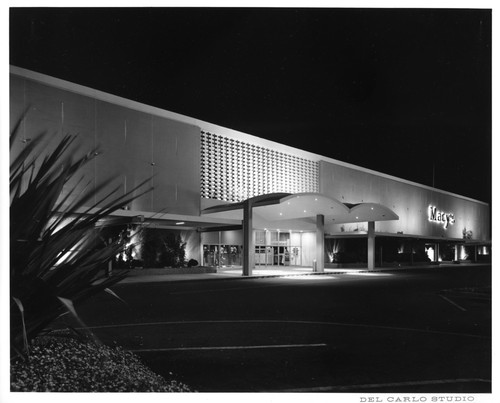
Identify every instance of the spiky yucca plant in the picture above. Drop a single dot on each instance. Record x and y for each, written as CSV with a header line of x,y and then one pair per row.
x,y
56,255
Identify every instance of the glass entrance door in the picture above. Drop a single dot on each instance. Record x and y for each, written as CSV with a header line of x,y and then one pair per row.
x,y
274,248
281,256
295,256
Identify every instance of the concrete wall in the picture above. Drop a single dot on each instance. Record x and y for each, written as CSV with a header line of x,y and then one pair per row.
x,y
308,248
134,145
410,202
226,237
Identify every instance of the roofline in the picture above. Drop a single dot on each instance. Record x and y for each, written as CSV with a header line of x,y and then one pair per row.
x,y
209,127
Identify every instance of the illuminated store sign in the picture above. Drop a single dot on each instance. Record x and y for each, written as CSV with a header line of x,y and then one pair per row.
x,y
441,217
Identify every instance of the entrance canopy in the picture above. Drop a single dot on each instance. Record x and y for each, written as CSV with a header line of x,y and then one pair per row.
x,y
298,211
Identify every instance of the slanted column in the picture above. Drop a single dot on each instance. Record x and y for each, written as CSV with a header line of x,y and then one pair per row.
x,y
371,245
320,243
248,239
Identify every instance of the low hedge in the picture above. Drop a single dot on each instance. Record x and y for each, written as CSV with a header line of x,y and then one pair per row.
x,y
57,364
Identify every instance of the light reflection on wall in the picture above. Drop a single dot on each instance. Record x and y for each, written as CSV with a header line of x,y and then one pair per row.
x,y
191,238
401,248
431,254
463,253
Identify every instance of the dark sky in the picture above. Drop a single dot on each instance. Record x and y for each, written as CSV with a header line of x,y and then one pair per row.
x,y
394,90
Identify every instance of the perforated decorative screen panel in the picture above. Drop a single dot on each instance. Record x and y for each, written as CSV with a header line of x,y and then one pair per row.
x,y
232,170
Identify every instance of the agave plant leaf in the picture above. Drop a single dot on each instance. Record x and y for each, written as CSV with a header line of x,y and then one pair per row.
x,y
72,311
21,310
58,257
111,292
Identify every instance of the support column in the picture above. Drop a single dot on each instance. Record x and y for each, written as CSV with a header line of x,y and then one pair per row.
x,y
248,239
218,251
436,253
456,252
200,254
320,243
371,245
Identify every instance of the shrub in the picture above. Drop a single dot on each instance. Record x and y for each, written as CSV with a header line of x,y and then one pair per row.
x,y
192,263
57,253
162,248
67,365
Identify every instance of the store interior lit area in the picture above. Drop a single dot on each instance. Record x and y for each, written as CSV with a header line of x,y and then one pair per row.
x,y
293,251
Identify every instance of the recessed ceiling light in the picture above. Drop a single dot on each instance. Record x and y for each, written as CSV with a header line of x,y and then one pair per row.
x,y
180,223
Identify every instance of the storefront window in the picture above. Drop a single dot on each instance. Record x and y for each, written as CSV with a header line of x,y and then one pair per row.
x,y
222,255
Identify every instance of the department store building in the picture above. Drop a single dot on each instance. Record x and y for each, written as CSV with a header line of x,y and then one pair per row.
x,y
242,201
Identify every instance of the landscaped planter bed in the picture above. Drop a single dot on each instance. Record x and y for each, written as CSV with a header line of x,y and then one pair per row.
x,y
64,364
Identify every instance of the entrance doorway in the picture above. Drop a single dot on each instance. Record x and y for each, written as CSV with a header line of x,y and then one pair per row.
x,y
275,248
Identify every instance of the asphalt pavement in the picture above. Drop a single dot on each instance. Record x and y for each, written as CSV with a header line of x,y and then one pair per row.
x,y
418,329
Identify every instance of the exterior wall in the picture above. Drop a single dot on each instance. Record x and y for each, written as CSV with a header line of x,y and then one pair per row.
x,y
308,248
134,145
139,142
226,237
409,201
233,170
192,239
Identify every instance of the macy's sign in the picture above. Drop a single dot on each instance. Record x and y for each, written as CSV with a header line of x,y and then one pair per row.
x,y
441,217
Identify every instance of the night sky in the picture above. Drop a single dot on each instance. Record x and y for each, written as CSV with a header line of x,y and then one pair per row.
x,y
397,91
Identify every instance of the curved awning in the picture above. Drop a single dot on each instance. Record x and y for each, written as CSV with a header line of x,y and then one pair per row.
x,y
299,211
367,212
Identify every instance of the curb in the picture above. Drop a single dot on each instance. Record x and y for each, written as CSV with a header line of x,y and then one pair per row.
x,y
232,278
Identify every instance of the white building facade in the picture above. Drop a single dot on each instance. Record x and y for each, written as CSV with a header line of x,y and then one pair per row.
x,y
244,201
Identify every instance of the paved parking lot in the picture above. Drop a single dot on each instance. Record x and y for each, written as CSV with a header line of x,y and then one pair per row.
x,y
411,330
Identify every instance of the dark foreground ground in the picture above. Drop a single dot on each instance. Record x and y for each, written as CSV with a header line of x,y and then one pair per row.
x,y
412,331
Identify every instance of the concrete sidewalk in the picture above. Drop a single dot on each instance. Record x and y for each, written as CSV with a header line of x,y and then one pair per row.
x,y
236,273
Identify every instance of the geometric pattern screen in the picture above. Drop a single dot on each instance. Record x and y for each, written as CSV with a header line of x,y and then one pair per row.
x,y
233,171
